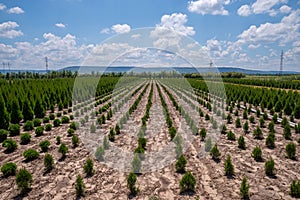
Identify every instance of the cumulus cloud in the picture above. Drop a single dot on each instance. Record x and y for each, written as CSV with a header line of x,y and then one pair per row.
x,y
105,31
60,25
121,28
2,6
7,30
203,7
252,46
176,22
15,10
285,9
244,11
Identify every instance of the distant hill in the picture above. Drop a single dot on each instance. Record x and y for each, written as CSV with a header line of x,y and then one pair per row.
x,y
186,70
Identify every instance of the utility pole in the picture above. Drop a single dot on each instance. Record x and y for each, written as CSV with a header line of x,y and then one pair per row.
x,y
281,62
46,60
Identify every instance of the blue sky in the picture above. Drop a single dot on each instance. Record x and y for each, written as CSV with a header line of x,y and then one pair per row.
x,y
248,34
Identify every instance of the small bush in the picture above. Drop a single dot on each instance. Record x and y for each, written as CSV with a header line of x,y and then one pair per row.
x,y
71,117
131,180
290,150
262,122
23,180
105,143
136,164
252,120
244,189
10,145
271,127
9,169
48,127
238,123
3,135
187,183
88,167
295,189
63,149
241,142
231,136
180,164
48,162
117,129
58,114
46,120
74,125
79,186
39,131
228,167
99,154
208,145
257,154
203,134
75,141
14,129
65,119
30,154
246,127
270,140
111,135
52,116
223,129
229,119
258,134
287,132
142,142
56,122
269,167
58,139
93,128
25,138
36,122
44,145
70,132
215,153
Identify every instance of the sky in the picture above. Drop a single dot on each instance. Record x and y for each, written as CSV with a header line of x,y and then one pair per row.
x,y
249,34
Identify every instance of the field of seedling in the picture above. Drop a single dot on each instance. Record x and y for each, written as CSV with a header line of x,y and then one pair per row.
x,y
148,137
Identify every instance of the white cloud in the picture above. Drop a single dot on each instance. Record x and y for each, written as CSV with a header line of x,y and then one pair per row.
x,y
244,11
176,22
265,6
213,7
7,30
285,9
121,28
252,46
2,6
60,25
105,31
15,10
135,36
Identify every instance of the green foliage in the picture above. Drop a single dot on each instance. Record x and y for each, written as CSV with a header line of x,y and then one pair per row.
x,y
187,183
30,154
172,132
16,114
229,119
223,129
48,127
63,149
284,122
14,129
36,122
39,131
105,143
4,115
215,153
46,120
252,120
290,150
93,128
287,134
178,150
99,154
142,142
9,169
203,134
136,164
131,180
70,132
117,129
3,135
39,110
89,167
48,162
44,145
297,111
207,117
244,189
58,139
238,123
228,167
246,127
257,154
241,142
270,140
208,145
75,141
262,122
10,145
231,136
52,116
275,118
74,125
23,180
56,122
269,167
65,119
79,186
27,110
295,189
245,114
258,134
180,164
271,127
111,135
